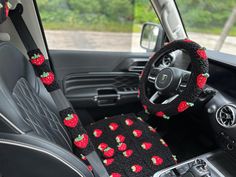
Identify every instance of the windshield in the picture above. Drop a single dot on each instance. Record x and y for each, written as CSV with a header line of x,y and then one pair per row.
x,y
95,25
211,23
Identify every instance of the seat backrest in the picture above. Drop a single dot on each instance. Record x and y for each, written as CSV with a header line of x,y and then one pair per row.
x,y
25,104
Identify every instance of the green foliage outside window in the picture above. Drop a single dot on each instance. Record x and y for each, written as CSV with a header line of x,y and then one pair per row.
x,y
208,16
97,15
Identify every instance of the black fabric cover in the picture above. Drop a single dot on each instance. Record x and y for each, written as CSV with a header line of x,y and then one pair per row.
x,y
27,104
78,133
196,83
121,164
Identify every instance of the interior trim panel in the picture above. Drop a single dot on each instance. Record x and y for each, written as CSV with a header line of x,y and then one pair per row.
x,y
101,88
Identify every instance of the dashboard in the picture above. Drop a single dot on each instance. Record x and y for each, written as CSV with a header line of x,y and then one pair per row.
x,y
223,78
222,75
177,59
220,109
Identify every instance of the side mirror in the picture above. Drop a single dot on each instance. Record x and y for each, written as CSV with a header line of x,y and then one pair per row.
x,y
152,37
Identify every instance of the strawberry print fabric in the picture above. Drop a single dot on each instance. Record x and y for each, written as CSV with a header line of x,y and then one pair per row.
x,y
129,147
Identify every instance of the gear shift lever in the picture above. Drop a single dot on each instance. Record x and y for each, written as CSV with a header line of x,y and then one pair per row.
x,y
198,169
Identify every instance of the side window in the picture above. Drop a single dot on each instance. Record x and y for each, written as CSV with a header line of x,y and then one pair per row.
x,y
95,25
210,23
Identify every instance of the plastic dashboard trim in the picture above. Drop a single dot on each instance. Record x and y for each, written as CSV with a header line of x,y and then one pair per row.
x,y
204,157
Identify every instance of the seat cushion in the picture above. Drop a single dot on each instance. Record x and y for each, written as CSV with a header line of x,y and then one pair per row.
x,y
129,147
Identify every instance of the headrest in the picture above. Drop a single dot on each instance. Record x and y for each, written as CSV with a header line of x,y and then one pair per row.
x,y
4,10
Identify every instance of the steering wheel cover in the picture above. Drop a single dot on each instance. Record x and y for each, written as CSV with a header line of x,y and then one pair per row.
x,y
197,80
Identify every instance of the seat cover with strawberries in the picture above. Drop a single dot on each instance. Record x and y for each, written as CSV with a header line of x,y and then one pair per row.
x,y
129,147
126,145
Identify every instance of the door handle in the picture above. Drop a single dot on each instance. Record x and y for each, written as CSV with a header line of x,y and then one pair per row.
x,y
107,97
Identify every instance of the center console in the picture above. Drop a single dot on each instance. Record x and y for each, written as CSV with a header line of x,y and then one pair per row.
x,y
216,164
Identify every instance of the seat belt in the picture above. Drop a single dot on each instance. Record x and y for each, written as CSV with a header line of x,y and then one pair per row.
x,y
43,70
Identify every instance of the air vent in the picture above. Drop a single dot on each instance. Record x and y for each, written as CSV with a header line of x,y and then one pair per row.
x,y
167,60
137,65
225,116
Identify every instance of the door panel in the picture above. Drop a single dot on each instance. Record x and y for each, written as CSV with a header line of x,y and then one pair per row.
x,y
101,88
92,80
71,62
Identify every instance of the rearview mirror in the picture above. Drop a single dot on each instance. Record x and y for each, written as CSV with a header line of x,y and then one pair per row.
x,y
152,37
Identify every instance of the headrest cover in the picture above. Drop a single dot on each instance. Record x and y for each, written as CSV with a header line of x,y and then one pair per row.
x,y
4,10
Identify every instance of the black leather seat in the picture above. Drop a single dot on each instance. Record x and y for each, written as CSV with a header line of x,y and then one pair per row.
x,y
25,101
26,108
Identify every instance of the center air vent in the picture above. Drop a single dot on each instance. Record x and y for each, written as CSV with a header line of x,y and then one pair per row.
x,y
225,116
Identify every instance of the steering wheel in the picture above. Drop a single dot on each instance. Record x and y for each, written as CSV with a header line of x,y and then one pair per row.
x,y
168,91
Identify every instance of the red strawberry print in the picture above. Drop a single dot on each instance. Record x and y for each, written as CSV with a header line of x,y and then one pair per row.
x,y
108,152
156,160
71,120
81,141
102,146
113,126
202,54
201,80
137,133
129,122
37,59
97,133
128,153
163,143
145,109
138,93
108,162
152,129
47,78
7,8
115,175
187,40
83,157
122,147
136,168
184,105
146,145
141,74
90,168
162,114
120,138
